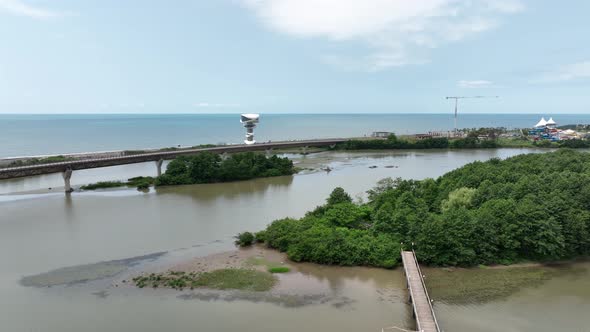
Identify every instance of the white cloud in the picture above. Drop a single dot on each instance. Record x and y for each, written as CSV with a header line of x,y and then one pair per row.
x,y
19,7
570,72
213,105
475,84
396,32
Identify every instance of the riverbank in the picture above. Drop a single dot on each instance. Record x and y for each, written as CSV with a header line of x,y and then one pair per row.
x,y
250,280
89,227
449,285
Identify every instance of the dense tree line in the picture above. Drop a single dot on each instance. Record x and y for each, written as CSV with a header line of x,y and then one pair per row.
x,y
207,167
472,141
393,142
489,132
528,207
575,144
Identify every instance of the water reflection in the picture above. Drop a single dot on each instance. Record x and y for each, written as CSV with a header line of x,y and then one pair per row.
x,y
229,190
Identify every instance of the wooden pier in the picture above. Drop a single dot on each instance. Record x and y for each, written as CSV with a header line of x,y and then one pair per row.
x,y
421,303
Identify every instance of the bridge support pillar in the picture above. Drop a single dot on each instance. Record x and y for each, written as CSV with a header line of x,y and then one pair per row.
x,y
67,175
332,146
159,166
268,152
224,156
304,150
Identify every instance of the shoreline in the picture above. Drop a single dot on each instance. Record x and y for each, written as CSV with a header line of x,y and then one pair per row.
x,y
259,257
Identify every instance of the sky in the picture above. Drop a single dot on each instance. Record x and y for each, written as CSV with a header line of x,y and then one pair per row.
x,y
294,56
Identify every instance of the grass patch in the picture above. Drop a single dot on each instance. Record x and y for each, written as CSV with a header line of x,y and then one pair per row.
x,y
242,279
140,182
480,285
102,185
278,269
505,142
271,267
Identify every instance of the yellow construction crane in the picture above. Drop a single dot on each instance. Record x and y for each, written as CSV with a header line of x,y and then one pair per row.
x,y
465,97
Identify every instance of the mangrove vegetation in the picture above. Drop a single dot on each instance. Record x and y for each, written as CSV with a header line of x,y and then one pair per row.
x,y
242,279
139,182
208,167
471,141
533,207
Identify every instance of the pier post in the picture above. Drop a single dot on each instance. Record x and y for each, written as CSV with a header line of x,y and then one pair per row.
x,y
159,166
67,175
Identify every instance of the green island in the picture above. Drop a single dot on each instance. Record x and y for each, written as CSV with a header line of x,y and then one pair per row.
x,y
208,167
222,279
533,207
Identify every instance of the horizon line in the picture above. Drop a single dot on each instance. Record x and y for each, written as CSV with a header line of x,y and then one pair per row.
x,y
302,113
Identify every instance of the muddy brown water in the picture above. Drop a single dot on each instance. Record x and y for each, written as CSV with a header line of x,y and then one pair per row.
x,y
41,232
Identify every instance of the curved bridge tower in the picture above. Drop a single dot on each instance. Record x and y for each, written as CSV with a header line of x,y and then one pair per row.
x,y
249,121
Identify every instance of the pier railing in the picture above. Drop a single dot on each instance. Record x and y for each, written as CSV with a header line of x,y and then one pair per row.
x,y
426,291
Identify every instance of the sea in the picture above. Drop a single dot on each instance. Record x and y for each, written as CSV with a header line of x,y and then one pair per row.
x,y
37,134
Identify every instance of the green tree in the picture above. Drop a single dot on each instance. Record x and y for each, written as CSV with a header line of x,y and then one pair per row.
x,y
460,198
338,195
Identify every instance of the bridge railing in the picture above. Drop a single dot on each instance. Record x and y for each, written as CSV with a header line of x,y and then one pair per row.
x,y
171,154
409,285
426,291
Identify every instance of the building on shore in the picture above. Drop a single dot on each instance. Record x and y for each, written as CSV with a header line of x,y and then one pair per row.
x,y
547,130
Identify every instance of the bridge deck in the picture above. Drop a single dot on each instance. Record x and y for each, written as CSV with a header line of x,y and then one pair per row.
x,y
425,318
20,171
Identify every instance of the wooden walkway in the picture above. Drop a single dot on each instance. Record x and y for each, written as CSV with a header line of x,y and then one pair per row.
x,y
425,318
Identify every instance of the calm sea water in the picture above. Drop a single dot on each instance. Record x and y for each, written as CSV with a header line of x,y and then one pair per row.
x,y
22,135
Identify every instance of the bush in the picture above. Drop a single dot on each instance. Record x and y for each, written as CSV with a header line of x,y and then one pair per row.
x,y
102,185
141,182
244,239
338,195
260,236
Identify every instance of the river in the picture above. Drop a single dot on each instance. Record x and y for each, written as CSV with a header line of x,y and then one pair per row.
x,y
42,231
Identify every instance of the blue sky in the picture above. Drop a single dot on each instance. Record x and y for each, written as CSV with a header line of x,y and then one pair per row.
x,y
293,56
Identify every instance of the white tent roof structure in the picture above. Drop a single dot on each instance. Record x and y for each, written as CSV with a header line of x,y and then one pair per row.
x,y
551,122
542,123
